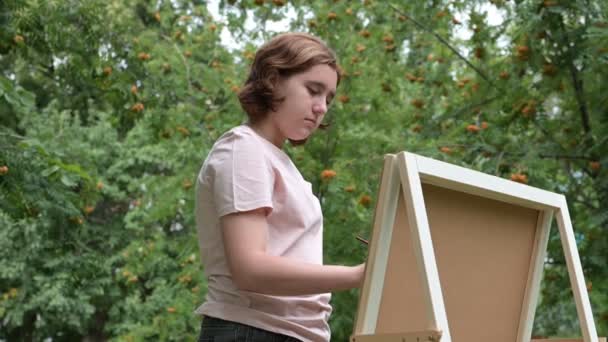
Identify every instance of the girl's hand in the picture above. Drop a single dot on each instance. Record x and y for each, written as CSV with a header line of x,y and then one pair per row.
x,y
359,275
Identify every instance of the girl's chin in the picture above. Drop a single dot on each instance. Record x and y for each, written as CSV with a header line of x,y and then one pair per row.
x,y
301,134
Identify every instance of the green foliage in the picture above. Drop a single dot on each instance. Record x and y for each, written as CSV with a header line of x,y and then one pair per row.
x,y
107,109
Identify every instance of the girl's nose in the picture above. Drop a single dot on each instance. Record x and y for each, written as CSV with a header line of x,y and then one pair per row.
x,y
320,108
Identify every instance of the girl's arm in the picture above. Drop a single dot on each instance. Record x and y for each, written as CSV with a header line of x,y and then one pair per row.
x,y
252,269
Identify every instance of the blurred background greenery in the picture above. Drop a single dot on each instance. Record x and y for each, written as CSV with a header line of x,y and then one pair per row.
x,y
108,108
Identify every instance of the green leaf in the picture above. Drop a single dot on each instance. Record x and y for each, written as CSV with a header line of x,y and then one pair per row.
x,y
49,171
68,181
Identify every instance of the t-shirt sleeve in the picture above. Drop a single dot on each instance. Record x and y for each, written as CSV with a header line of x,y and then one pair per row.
x,y
243,179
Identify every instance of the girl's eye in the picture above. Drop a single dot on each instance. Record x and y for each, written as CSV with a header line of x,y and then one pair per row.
x,y
313,91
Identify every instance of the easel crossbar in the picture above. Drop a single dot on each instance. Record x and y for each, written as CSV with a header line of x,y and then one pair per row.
x,y
416,336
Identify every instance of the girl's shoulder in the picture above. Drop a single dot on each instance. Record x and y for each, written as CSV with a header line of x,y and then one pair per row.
x,y
241,131
239,135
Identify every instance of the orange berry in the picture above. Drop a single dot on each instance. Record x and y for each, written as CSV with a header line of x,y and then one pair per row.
x,y
107,70
411,78
183,130
418,103
185,279
171,309
441,14
549,69
484,125
187,53
187,184
343,98
417,128
349,188
212,27
134,89
504,75
249,55
18,39
3,170
595,165
360,48
523,52
328,174
445,150
157,16
387,38
364,33
89,209
235,88
99,185
549,3
529,109
143,56
138,107
349,11
520,178
365,200
332,16
473,128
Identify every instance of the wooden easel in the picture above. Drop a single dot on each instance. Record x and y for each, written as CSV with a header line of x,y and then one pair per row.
x,y
457,255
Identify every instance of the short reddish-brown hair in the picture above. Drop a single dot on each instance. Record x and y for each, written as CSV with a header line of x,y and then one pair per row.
x,y
284,55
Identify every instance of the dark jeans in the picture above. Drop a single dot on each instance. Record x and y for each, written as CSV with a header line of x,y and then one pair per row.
x,y
218,330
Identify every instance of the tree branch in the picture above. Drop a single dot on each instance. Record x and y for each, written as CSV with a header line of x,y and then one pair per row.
x,y
444,42
578,92
181,55
548,156
469,107
578,85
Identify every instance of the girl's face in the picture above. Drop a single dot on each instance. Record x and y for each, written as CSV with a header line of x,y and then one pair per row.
x,y
306,98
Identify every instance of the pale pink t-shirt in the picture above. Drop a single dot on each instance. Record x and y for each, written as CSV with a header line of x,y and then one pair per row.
x,y
242,172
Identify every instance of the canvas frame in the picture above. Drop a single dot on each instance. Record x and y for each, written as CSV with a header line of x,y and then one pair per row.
x,y
406,172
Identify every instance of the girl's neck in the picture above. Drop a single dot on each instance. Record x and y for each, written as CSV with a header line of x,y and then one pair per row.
x,y
268,132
